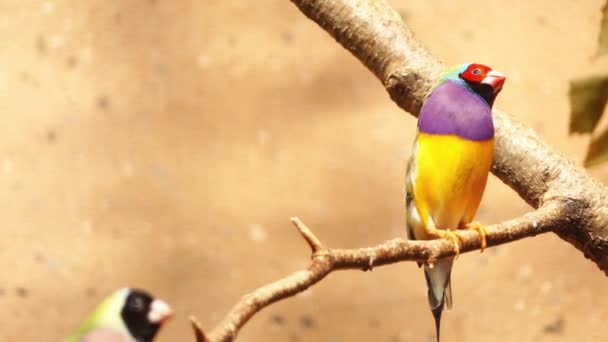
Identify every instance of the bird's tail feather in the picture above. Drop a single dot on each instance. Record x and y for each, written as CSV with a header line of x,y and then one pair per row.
x,y
447,294
439,288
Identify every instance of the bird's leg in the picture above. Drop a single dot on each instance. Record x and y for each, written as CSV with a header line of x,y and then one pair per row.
x,y
450,235
480,228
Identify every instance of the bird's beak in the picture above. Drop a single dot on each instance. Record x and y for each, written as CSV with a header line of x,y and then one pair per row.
x,y
495,80
159,312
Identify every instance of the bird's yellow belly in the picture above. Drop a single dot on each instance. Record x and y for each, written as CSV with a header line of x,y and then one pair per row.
x,y
450,178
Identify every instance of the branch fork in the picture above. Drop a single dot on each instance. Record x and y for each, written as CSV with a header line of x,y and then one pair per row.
x,y
326,260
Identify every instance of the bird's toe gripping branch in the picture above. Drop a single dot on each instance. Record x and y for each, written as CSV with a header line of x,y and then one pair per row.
x,y
481,229
451,235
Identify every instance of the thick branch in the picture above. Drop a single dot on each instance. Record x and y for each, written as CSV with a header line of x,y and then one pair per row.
x,y
375,33
548,218
569,202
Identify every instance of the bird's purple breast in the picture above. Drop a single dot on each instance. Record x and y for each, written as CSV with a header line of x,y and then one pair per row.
x,y
453,109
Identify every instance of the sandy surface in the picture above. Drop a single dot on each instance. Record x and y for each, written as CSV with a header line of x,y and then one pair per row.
x,y
165,144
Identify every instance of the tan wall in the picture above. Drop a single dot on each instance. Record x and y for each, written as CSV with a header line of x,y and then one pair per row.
x,y
165,144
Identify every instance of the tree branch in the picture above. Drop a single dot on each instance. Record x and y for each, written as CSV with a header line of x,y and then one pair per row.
x,y
568,201
324,261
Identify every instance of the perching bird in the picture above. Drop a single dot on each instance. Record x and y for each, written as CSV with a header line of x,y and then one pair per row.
x,y
449,166
127,315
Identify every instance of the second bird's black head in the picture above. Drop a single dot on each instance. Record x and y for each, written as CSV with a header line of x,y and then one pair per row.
x,y
143,315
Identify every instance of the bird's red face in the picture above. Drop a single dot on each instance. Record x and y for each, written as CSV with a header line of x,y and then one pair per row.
x,y
483,74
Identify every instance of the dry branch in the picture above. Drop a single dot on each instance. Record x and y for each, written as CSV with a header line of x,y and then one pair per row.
x,y
324,261
568,201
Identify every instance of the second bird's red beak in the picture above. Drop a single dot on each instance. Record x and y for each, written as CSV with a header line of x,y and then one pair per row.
x,y
494,79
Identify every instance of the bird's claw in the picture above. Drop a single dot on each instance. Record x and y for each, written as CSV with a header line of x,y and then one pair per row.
x,y
481,229
451,235
455,238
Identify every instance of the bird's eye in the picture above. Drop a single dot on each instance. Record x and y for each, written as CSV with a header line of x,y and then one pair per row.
x,y
476,71
137,304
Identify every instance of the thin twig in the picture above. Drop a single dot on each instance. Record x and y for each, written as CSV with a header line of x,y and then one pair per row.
x,y
314,243
198,331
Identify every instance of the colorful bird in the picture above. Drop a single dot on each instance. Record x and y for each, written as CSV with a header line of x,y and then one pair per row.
x,y
449,166
127,315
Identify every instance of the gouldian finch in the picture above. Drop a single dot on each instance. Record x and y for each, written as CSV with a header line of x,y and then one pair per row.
x,y
127,315
449,166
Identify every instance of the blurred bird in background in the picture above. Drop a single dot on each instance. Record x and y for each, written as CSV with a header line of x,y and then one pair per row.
x,y
127,315
449,166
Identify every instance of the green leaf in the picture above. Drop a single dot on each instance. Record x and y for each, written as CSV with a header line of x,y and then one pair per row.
x,y
588,98
598,150
603,43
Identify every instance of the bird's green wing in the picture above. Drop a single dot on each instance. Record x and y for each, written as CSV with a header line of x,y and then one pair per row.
x,y
106,315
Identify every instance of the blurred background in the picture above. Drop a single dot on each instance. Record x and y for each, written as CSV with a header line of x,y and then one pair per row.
x,y
165,144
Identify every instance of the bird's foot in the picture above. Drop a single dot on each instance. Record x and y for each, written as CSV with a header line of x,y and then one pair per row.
x,y
451,235
481,229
